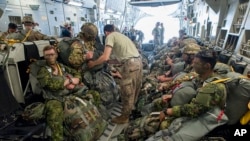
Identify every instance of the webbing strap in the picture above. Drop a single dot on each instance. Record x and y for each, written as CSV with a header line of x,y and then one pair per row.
x,y
220,80
27,35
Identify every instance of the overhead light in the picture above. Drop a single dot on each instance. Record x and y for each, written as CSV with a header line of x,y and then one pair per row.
x,y
75,3
8,9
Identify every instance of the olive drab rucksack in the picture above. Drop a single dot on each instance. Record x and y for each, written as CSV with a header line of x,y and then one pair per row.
x,y
71,52
104,83
82,120
238,95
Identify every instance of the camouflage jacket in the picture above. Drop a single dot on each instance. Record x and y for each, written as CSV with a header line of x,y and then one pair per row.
x,y
54,84
208,96
4,35
32,36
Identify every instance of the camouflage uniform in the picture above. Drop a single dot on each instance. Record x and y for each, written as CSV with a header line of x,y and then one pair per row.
x,y
202,114
89,34
208,96
29,35
54,93
6,35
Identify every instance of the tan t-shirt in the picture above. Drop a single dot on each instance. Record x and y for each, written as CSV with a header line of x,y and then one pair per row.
x,y
122,47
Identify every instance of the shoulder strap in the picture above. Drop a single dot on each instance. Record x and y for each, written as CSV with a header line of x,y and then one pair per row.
x,y
220,80
26,36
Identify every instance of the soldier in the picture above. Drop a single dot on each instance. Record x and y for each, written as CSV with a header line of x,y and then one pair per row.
x,y
188,55
162,33
210,99
88,34
28,34
130,68
65,30
58,81
126,32
12,28
157,34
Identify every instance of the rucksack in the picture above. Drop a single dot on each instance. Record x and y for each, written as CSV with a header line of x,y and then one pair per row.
x,y
82,120
104,83
238,95
71,52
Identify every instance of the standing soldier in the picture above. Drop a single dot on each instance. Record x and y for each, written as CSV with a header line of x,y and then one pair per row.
x,y
129,70
162,33
157,34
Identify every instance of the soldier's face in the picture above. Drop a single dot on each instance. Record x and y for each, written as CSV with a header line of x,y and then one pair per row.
x,y
28,25
199,66
50,56
12,30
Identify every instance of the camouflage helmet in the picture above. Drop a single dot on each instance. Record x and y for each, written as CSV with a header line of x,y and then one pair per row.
x,y
187,41
88,31
191,48
27,19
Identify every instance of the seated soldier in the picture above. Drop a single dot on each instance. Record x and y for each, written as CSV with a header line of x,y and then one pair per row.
x,y
28,34
12,28
58,81
188,55
205,111
204,101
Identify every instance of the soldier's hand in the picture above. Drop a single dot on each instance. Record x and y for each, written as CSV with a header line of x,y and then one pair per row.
x,y
70,86
169,61
166,97
162,116
116,74
91,64
75,80
89,55
161,78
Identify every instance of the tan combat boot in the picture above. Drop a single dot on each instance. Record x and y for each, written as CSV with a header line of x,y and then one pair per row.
x,y
120,119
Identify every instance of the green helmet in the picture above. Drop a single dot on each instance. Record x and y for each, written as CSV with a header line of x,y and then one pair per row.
x,y
191,48
34,111
88,31
27,19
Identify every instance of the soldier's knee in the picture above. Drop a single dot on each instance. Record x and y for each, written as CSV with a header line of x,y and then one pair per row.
x,y
54,105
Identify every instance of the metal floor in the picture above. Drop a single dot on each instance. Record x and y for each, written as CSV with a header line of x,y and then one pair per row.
x,y
113,130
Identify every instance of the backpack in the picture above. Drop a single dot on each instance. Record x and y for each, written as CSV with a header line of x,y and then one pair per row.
x,y
71,52
104,83
82,120
238,95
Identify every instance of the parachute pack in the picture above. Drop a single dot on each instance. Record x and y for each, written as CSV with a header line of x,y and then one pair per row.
x,y
104,83
71,52
82,120
238,95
